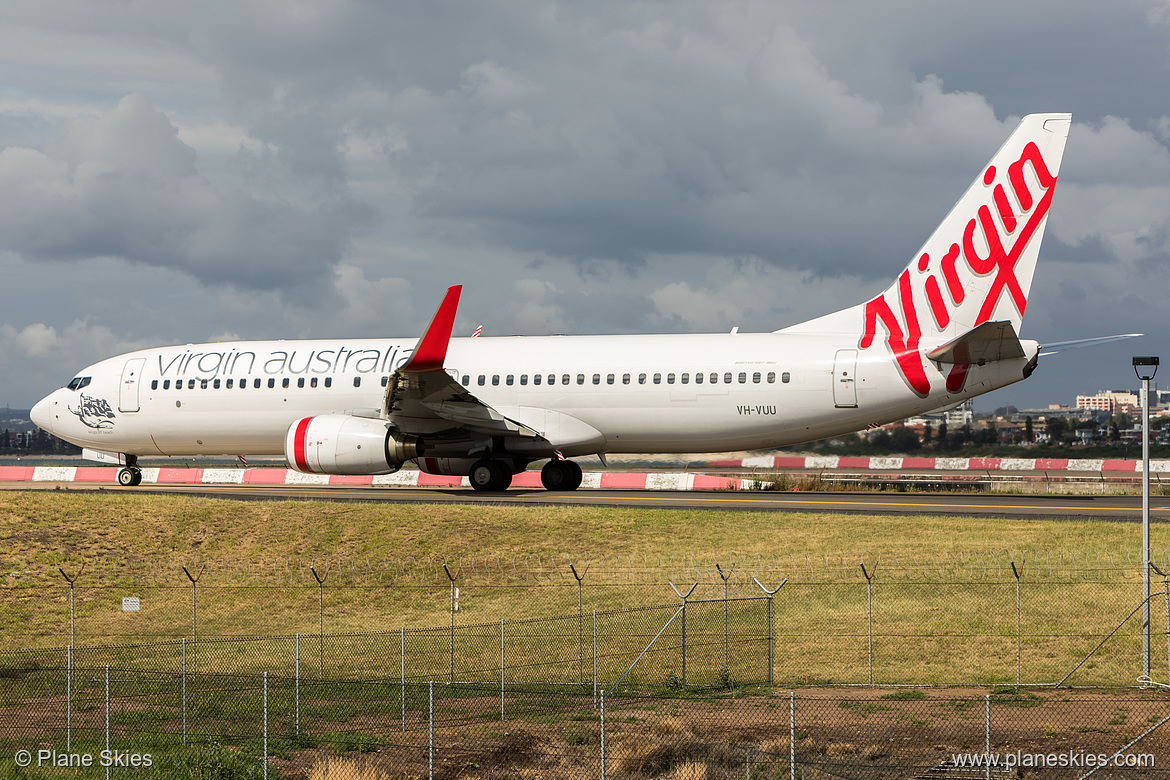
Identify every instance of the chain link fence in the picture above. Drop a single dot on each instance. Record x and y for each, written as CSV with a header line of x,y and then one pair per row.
x,y
87,720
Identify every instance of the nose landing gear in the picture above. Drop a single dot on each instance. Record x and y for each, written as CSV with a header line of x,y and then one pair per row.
x,y
130,475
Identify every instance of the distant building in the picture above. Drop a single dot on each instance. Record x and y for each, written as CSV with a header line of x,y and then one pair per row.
x,y
1110,401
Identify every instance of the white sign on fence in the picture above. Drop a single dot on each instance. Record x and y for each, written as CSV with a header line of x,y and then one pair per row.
x,y
130,604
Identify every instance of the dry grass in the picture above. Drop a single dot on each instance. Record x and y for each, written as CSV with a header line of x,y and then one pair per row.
x,y
916,624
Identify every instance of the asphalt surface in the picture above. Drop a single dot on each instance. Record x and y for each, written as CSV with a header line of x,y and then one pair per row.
x,y
1054,506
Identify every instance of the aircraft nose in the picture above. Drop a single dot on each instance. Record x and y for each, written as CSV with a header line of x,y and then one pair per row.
x,y
42,413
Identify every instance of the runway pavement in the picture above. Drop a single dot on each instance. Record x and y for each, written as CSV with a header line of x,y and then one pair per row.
x,y
1055,506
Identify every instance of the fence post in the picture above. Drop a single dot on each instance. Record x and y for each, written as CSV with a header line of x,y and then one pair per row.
x,y
684,628
869,598
724,577
264,754
183,641
603,735
501,669
320,618
194,622
987,735
431,737
771,632
792,735
1019,574
297,686
402,668
595,657
71,581
107,718
452,577
580,625
68,697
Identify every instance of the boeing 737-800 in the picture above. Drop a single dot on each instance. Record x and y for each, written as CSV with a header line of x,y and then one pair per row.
x,y
946,330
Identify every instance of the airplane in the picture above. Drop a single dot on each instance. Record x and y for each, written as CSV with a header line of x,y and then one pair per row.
x,y
946,330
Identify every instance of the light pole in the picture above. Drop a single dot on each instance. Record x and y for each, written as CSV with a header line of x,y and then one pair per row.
x,y
1145,368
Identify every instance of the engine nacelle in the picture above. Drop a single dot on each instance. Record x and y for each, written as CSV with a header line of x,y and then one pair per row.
x,y
342,444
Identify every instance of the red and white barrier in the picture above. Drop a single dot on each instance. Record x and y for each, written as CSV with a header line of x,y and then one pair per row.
x,y
828,462
602,480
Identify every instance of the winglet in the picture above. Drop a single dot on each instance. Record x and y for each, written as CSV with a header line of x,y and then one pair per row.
x,y
431,350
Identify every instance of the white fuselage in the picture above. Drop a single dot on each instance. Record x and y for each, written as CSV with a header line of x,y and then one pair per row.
x,y
582,394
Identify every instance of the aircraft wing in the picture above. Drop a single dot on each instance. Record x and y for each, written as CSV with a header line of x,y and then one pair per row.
x,y
422,397
984,343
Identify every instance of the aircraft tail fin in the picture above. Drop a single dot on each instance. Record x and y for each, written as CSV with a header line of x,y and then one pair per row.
x,y
976,267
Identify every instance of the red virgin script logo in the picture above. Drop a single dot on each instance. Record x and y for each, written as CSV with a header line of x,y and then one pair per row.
x,y
902,336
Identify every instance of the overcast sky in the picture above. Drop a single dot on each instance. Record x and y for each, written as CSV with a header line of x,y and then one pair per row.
x,y
176,172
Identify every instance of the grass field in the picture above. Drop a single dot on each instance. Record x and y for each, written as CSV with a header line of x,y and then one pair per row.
x,y
946,622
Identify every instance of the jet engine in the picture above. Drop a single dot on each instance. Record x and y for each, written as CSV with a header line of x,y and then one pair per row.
x,y
344,444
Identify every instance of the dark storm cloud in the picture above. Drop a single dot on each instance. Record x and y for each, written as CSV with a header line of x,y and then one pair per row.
x,y
124,185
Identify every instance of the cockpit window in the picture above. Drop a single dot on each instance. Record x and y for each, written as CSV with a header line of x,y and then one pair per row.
x,y
79,382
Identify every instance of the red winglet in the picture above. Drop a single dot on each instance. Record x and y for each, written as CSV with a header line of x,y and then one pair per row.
x,y
431,350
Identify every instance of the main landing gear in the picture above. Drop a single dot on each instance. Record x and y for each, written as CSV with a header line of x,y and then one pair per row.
x,y
130,475
560,475
490,475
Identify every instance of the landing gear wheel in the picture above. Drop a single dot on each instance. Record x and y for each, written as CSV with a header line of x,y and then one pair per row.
x,y
130,477
489,476
560,475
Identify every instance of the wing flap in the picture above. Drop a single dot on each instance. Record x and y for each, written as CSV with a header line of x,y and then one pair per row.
x,y
984,343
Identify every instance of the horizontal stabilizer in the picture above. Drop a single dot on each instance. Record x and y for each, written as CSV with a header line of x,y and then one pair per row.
x,y
985,343
1062,346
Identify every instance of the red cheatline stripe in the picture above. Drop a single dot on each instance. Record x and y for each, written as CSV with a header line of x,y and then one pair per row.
x,y
299,445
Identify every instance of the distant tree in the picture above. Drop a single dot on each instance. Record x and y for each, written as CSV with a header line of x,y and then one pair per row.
x,y
902,439
1029,433
880,439
941,440
1055,427
927,433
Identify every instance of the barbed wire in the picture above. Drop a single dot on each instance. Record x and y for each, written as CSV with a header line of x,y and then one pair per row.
x,y
554,570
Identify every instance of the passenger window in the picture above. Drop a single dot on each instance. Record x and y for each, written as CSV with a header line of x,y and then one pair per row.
x,y
154,384
685,379
481,380
658,379
742,378
385,381
552,379
714,378
284,382
597,379
786,377
625,379
771,377
329,381
670,378
166,384
495,380
244,384
300,381
202,384
357,381
271,383
727,378
564,379
229,384
536,379
641,379
523,379
466,380
698,379
509,380
580,379
756,378
313,382
215,384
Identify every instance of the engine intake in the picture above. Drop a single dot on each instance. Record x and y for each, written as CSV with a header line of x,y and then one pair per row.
x,y
343,444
